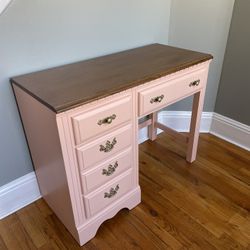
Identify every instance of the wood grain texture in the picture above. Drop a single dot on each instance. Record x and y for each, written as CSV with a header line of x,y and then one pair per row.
x,y
203,205
69,86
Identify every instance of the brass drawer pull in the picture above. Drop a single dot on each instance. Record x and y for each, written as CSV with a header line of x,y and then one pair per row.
x,y
194,83
109,146
111,169
107,120
157,99
112,192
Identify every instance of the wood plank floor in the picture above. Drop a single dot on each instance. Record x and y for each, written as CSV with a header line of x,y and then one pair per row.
x,y
203,205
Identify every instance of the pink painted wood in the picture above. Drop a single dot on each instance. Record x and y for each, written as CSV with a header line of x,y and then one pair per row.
x,y
172,132
187,82
110,144
159,96
126,135
170,89
42,134
101,118
105,196
66,148
152,129
198,102
89,229
106,171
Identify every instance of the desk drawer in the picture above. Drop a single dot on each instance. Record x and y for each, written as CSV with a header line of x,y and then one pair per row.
x,y
156,97
106,171
105,147
102,118
100,199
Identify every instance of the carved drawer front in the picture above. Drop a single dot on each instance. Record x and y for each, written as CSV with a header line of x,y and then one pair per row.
x,y
102,118
106,171
104,147
152,99
101,198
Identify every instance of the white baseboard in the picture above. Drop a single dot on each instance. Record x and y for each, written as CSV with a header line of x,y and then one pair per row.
x,y
179,121
24,190
18,194
231,131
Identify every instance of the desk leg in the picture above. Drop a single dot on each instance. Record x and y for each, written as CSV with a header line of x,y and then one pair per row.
x,y
152,130
195,126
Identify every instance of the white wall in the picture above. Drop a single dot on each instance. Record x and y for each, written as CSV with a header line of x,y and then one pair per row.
x,y
202,25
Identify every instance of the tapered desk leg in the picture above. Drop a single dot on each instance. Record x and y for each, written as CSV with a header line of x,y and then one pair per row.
x,y
195,126
152,130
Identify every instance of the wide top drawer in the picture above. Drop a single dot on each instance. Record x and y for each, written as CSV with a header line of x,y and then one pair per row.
x,y
101,118
162,93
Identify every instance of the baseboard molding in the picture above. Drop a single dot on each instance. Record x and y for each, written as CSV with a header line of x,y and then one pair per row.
x,y
24,190
230,130
18,194
179,121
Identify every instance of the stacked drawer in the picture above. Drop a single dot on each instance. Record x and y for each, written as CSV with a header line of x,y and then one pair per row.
x,y
104,148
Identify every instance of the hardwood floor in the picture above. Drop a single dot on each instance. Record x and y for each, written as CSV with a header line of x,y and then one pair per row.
x,y
203,205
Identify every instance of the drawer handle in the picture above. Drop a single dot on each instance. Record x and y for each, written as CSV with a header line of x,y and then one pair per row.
x,y
157,99
112,192
194,83
111,169
107,120
109,146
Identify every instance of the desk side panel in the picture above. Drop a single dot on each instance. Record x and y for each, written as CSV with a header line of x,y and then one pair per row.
x,y
42,136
